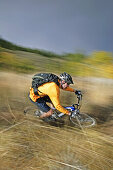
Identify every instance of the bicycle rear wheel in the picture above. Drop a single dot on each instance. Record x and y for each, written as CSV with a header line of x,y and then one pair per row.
x,y
83,120
31,111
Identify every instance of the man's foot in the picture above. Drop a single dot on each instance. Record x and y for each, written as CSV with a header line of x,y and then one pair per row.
x,y
38,113
49,119
52,119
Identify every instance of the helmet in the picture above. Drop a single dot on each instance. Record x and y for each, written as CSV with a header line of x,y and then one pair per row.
x,y
66,77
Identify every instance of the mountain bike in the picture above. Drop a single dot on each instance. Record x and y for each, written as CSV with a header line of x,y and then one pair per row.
x,y
76,118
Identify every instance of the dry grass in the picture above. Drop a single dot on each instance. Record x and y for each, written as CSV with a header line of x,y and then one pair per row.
x,y
27,143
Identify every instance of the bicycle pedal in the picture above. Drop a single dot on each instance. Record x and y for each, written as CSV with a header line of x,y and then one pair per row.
x,y
54,116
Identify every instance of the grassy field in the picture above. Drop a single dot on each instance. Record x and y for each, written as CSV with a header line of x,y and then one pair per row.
x,y
27,143
97,64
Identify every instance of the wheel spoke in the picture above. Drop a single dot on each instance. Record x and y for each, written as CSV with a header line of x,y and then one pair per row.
x,y
83,120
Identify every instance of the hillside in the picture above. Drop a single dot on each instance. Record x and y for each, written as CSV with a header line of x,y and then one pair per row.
x,y
28,143
26,60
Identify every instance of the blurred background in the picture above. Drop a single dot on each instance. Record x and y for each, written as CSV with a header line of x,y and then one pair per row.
x,y
56,36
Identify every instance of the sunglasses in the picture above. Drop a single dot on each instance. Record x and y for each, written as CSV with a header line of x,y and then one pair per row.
x,y
67,83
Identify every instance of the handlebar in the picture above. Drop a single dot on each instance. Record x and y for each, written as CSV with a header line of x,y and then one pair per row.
x,y
78,105
79,96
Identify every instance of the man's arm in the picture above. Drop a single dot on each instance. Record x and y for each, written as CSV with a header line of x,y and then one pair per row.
x,y
69,89
54,93
77,92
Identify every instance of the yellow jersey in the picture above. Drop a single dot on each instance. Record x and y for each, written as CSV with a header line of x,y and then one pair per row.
x,y
52,90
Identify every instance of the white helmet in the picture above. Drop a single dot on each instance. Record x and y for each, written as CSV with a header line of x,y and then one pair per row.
x,y
66,77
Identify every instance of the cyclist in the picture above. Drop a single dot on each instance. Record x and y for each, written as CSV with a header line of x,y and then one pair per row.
x,y
50,92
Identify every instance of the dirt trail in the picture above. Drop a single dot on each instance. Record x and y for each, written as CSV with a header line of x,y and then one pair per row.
x,y
28,143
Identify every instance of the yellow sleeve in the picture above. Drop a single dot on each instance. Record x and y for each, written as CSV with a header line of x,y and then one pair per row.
x,y
69,89
54,92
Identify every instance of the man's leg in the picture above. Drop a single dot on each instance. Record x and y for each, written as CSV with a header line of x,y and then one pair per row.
x,y
47,114
45,110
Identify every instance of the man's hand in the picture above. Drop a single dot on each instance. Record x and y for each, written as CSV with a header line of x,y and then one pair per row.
x,y
78,92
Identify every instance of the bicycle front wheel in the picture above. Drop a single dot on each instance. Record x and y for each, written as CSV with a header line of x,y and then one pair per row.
x,y
83,120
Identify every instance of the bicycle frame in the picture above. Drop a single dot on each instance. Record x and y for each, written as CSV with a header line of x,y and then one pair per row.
x,y
77,118
74,107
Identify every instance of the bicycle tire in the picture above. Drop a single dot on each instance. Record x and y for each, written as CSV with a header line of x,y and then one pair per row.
x,y
83,120
30,111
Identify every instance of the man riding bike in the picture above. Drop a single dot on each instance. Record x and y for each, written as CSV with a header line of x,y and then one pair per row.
x,y
50,92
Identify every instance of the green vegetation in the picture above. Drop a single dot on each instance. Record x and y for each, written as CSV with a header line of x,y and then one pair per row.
x,y
31,147
21,59
11,46
9,61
